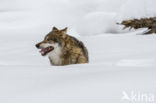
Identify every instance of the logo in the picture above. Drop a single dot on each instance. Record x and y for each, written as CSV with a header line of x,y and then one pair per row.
x,y
138,97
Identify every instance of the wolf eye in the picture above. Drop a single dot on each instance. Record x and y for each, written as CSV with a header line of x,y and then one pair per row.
x,y
55,40
48,39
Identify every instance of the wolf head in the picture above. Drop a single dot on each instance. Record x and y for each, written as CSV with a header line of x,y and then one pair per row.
x,y
53,41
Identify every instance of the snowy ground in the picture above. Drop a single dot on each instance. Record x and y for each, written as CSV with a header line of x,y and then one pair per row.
x,y
123,62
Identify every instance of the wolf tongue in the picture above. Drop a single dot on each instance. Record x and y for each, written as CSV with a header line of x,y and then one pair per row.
x,y
46,50
43,49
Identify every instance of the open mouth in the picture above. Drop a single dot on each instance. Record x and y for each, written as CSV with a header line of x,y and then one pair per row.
x,y
46,50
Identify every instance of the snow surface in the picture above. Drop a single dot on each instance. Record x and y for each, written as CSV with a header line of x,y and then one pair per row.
x,y
121,62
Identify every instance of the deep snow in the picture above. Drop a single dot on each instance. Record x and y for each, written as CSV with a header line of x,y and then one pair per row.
x,y
119,62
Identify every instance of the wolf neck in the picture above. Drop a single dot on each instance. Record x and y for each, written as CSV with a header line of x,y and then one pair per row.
x,y
55,56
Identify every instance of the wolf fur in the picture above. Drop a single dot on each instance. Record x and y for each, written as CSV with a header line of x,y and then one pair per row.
x,y
67,49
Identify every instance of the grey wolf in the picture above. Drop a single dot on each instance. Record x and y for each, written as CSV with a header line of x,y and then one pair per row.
x,y
63,49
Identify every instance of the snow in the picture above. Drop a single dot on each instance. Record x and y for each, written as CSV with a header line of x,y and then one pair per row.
x,y
137,9
97,19
122,62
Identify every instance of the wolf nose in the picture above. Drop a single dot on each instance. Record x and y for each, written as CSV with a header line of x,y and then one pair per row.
x,y
37,45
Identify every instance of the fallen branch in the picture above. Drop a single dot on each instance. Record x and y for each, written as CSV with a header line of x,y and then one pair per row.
x,y
149,23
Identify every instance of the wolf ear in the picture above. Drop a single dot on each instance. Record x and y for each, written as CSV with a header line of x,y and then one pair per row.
x,y
54,29
64,31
